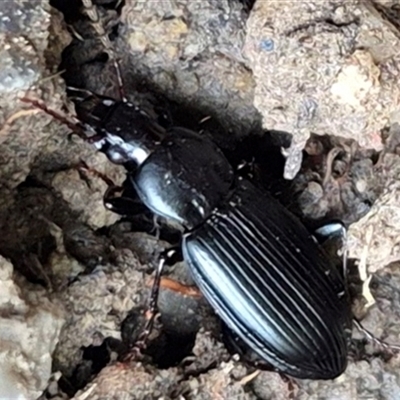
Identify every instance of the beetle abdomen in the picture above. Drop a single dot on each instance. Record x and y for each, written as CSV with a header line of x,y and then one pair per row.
x,y
272,285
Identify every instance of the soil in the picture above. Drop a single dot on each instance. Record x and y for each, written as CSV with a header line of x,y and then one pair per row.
x,y
316,82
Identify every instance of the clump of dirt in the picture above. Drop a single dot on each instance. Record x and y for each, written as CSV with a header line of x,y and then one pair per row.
x,y
326,68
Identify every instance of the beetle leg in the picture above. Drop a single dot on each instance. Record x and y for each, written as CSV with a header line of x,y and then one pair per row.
x,y
372,338
115,198
167,257
150,314
332,233
122,205
333,238
83,167
152,310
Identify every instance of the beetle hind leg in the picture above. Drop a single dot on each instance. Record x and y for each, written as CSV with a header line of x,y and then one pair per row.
x,y
375,340
167,257
334,235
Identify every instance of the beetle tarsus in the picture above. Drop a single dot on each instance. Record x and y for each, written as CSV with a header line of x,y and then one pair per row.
x,y
151,313
375,340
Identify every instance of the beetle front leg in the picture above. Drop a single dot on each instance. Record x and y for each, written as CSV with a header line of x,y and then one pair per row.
x,y
116,200
121,200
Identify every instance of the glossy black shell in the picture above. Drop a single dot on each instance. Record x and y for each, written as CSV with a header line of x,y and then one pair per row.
x,y
272,285
184,179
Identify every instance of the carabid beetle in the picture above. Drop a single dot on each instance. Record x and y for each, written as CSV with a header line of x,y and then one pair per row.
x,y
261,270
257,265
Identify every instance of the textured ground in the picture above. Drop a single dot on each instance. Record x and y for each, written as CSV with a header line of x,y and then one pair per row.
x,y
73,278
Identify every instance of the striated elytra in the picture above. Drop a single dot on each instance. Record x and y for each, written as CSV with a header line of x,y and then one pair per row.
x,y
256,264
272,285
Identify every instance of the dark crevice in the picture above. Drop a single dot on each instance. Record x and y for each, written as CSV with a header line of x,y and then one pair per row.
x,y
165,349
94,359
325,24
71,9
31,182
247,5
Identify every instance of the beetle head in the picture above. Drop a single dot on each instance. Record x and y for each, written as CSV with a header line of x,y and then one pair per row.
x,y
126,133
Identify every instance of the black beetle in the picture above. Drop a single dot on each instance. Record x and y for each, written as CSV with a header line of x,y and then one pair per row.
x,y
261,270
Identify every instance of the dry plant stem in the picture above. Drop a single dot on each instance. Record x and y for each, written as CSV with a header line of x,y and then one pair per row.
x,y
184,290
329,164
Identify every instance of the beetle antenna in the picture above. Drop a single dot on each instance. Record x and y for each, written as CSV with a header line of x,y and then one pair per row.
x,y
72,124
92,13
